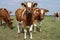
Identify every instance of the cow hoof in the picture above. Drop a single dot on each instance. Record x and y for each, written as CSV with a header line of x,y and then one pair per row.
x,y
24,39
31,38
18,33
34,31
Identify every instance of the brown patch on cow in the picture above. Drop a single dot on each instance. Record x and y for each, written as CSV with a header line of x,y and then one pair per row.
x,y
38,15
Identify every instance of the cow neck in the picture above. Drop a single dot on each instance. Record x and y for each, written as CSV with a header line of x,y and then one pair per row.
x,y
28,18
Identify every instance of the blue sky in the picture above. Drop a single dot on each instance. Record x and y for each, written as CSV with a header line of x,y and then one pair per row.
x,y
13,5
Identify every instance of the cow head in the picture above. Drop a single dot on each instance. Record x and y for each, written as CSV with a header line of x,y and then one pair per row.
x,y
43,11
40,12
29,6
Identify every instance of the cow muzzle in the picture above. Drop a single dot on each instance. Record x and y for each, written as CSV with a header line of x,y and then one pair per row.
x,y
29,11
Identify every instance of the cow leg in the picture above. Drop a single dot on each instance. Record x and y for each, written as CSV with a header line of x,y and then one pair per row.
x,y
30,30
40,26
58,19
35,24
54,18
18,29
0,22
19,26
35,27
25,31
3,24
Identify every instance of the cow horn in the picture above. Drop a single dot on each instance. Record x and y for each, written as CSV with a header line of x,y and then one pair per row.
x,y
2,8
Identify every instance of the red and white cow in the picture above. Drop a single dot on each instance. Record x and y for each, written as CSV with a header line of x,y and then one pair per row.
x,y
56,16
26,16
39,16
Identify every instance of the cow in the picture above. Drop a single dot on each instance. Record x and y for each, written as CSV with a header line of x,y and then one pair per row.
x,y
5,17
56,16
39,16
25,16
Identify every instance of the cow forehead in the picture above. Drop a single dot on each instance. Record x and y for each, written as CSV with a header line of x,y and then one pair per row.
x,y
42,11
29,4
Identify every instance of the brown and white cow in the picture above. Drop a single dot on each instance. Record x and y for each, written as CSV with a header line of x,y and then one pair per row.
x,y
26,16
5,17
39,16
56,16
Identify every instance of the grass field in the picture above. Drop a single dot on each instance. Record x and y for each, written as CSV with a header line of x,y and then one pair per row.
x,y
50,31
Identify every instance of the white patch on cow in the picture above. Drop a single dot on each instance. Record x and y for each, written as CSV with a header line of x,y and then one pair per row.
x,y
42,11
23,12
3,21
31,28
29,4
25,31
18,28
35,25
30,35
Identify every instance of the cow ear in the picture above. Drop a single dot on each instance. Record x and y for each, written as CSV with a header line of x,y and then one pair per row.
x,y
35,4
23,4
47,10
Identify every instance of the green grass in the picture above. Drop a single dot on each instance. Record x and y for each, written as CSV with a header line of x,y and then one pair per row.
x,y
50,31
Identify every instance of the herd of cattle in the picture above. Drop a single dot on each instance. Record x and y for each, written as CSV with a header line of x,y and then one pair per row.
x,y
29,15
